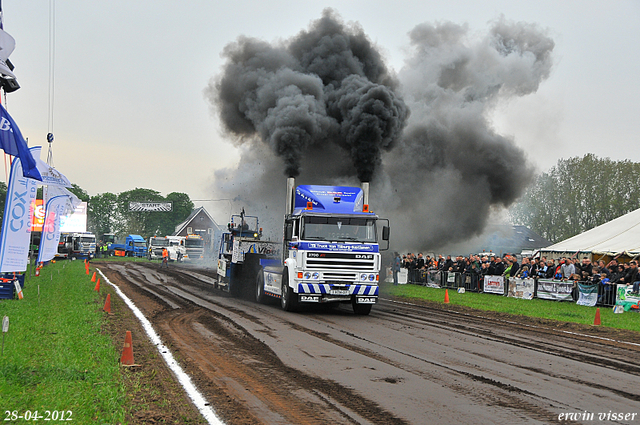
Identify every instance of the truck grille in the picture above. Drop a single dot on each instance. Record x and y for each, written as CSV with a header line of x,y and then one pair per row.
x,y
332,260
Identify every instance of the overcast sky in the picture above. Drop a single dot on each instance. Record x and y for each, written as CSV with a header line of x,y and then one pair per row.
x,y
129,109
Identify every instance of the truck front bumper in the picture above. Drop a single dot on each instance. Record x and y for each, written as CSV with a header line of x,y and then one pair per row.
x,y
325,292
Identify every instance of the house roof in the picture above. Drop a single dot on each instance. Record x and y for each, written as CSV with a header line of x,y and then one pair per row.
x,y
180,227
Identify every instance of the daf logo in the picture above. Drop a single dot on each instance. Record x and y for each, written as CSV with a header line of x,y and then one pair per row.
x,y
364,256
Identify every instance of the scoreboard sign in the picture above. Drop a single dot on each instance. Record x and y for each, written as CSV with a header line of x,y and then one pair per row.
x,y
150,206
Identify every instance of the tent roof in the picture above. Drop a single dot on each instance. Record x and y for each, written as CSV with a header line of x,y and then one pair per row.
x,y
618,236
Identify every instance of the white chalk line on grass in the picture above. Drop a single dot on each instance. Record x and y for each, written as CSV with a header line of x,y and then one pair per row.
x,y
524,324
184,379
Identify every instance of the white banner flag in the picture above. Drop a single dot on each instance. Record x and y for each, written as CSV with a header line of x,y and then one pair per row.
x,y
16,224
50,176
494,284
72,200
55,209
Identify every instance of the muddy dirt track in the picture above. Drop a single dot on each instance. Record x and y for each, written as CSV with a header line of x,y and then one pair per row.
x,y
404,363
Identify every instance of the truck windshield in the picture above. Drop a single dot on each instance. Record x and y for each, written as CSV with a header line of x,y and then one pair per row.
x,y
339,229
140,244
159,242
87,240
194,243
248,224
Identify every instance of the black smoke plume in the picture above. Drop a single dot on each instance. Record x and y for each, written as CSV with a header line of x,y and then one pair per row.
x,y
325,103
327,87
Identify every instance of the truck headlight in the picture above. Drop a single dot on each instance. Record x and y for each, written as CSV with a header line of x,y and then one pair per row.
x,y
363,277
316,275
372,278
307,275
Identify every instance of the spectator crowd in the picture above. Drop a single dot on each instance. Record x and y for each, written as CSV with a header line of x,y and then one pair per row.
x,y
565,268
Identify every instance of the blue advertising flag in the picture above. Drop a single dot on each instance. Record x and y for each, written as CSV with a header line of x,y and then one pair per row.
x,y
13,143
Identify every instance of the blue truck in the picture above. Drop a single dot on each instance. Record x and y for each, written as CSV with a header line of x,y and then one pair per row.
x,y
330,251
133,246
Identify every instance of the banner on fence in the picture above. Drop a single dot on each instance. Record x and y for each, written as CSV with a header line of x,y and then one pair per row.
x,y
433,279
494,284
521,288
588,294
555,290
403,276
625,298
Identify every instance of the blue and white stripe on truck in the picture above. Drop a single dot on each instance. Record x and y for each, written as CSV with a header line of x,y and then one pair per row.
x,y
323,288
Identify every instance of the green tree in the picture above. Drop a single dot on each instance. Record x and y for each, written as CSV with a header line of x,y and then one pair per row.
x,y
79,192
182,207
102,213
578,194
150,223
143,223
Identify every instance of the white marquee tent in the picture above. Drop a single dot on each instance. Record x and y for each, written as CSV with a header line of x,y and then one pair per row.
x,y
620,236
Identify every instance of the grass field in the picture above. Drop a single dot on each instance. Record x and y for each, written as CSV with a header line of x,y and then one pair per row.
x,y
56,358
554,310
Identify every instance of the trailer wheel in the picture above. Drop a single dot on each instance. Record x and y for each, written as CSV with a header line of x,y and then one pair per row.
x,y
288,299
360,309
260,297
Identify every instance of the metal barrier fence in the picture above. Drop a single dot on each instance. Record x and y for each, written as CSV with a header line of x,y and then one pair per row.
x,y
451,280
474,283
606,295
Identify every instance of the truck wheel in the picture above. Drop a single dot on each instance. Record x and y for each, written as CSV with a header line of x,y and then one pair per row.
x,y
288,299
360,309
260,296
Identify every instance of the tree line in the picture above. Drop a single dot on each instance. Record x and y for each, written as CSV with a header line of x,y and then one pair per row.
x,y
109,213
578,194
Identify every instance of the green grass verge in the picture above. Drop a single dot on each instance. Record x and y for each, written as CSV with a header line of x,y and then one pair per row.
x,y
56,357
553,310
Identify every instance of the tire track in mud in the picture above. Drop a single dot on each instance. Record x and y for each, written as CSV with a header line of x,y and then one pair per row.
x,y
543,340
504,400
220,354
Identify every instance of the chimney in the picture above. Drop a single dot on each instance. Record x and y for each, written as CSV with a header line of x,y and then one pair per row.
x,y
291,184
365,197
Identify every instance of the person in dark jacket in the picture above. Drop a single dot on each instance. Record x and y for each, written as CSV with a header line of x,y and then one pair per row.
x,y
632,277
499,267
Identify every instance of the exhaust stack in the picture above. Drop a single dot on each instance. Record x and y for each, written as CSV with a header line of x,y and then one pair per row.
x,y
291,184
365,197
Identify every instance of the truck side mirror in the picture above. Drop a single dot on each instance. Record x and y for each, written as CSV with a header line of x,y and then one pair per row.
x,y
385,233
288,231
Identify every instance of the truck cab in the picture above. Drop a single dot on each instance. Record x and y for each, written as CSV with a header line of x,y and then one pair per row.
x,y
76,245
194,245
134,246
331,250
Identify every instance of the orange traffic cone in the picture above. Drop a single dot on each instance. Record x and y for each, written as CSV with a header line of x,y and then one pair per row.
x,y
446,296
97,288
596,321
107,304
93,278
86,268
37,271
127,352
